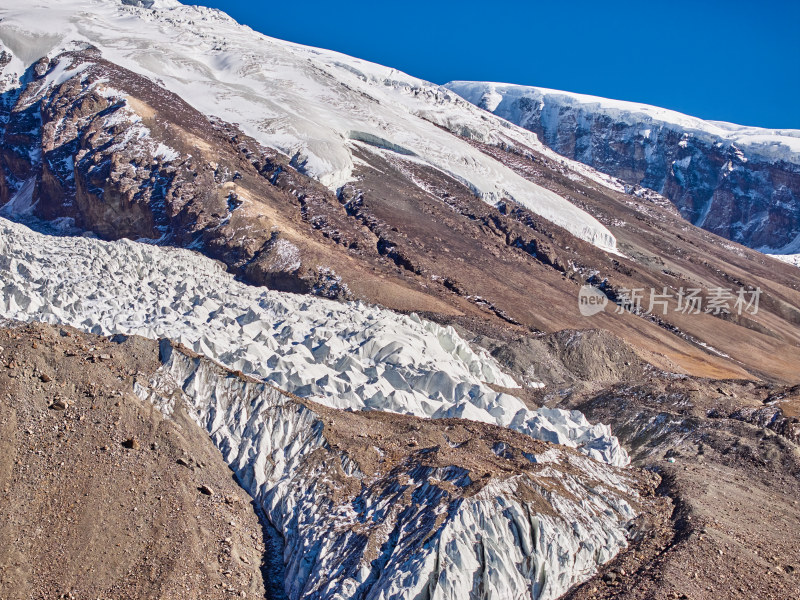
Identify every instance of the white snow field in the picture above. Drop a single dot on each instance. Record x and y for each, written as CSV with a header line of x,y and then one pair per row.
x,y
503,99
792,259
344,355
315,106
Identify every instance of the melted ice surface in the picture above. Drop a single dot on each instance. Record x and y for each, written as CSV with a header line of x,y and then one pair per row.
x,y
345,355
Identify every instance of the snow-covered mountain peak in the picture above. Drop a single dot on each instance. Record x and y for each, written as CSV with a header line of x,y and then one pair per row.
x,y
317,107
504,100
739,182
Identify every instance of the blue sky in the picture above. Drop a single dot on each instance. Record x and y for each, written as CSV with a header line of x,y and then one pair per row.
x,y
730,61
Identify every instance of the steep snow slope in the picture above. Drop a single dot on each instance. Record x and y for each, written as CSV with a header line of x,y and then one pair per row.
x,y
345,355
365,515
315,106
739,182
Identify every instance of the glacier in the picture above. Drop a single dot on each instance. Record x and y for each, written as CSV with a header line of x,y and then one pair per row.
x,y
345,355
792,259
411,528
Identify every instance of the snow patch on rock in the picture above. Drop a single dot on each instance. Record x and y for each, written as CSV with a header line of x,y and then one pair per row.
x,y
792,259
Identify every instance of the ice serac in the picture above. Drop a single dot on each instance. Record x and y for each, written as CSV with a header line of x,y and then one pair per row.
x,y
317,107
742,183
365,513
345,355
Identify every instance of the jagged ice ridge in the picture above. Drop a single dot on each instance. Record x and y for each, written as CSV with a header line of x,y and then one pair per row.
x,y
345,355
511,548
